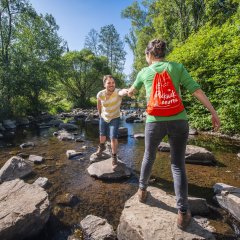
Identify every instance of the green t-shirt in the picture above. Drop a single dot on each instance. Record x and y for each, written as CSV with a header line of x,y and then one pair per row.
x,y
179,76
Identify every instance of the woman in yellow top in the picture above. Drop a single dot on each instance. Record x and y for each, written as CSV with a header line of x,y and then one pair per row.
x,y
108,105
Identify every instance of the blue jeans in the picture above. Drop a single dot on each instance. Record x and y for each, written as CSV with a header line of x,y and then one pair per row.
x,y
177,131
109,128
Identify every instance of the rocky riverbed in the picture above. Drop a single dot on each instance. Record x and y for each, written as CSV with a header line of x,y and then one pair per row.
x,y
73,194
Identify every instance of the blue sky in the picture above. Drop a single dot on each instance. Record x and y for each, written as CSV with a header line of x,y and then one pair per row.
x,y
77,17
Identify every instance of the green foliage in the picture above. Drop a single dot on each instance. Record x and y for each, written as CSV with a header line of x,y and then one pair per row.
x,y
212,58
30,50
204,36
109,44
81,76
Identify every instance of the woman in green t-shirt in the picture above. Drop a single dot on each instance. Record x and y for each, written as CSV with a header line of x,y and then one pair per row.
x,y
174,126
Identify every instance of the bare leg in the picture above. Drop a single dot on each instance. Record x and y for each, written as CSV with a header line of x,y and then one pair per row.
x,y
102,139
114,145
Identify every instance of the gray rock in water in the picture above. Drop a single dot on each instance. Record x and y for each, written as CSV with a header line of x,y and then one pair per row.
x,y
9,124
23,122
104,170
65,136
73,237
157,219
72,154
219,187
15,167
42,182
164,147
139,135
68,126
24,209
27,144
79,139
199,155
97,228
55,122
67,199
35,159
228,198
194,154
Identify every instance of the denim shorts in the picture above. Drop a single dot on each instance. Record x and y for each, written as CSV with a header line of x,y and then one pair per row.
x,y
109,128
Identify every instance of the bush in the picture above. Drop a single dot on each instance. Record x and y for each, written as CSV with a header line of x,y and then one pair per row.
x,y
212,58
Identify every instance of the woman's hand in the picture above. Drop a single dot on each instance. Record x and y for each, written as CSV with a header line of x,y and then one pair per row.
x,y
215,121
131,91
200,95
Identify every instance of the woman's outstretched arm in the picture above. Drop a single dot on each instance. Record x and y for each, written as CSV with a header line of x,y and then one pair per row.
x,y
200,95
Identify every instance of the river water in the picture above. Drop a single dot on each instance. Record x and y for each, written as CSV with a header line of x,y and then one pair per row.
x,y
106,199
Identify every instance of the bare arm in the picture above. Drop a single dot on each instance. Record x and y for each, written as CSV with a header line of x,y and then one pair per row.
x,y
99,106
200,95
123,92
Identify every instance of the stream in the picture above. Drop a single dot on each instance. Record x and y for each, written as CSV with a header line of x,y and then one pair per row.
x,y
107,199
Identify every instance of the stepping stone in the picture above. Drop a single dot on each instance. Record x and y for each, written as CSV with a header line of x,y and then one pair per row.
x,y
157,219
104,170
228,198
97,228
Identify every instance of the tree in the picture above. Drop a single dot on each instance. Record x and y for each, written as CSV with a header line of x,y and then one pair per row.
x,y
37,49
211,56
9,15
136,14
81,75
92,41
111,46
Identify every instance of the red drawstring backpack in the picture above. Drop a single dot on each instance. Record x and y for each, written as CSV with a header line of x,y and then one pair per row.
x,y
164,99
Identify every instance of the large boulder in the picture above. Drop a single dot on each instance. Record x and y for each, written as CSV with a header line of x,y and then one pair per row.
x,y
194,154
199,155
228,198
96,228
15,167
104,170
24,209
157,219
